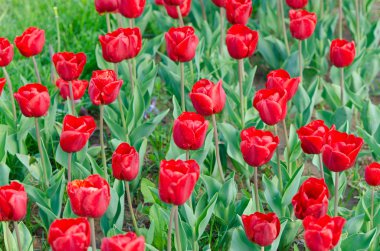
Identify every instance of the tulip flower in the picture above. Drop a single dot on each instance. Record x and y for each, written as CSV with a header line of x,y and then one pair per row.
x,y
79,88
2,84
281,79
131,8
238,11
297,4
159,2
106,6
123,242
271,105
184,7
372,177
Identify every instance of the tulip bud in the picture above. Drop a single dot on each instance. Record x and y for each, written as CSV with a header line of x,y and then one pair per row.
x,y
181,43
33,99
69,65
241,41
342,53
6,52
13,202
302,23
31,42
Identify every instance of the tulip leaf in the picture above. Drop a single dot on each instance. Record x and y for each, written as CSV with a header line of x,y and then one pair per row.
x,y
204,217
25,237
3,141
272,195
239,241
56,191
9,240
232,140
292,187
354,224
4,174
291,230
358,242
370,116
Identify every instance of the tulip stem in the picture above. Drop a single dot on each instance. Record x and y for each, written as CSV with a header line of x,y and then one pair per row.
x,y
321,167
256,180
17,236
216,138
93,234
336,200
340,19
119,18
108,21
203,10
172,214
281,10
278,162
55,8
242,103
69,158
131,208
72,98
36,69
222,14
262,249
300,61
41,152
182,69
322,8
101,129
187,154
120,102
130,68
177,236
341,71
357,20
180,18
372,206
287,145
11,96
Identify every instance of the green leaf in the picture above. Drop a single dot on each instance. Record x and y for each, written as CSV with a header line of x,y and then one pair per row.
x,y
292,187
205,216
4,174
3,141
25,237
272,195
240,242
9,240
354,224
291,231
361,241
370,116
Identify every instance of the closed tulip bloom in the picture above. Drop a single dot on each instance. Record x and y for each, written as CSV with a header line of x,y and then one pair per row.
x,y
341,150
238,11
324,233
173,2
33,99
159,2
125,162
220,3
13,202
260,228
89,197
296,4
123,242
241,41
104,87
121,44
271,105
189,131
185,8
342,52
69,234
181,43
31,42
177,180
312,199
69,65
302,23
281,79
313,136
103,6
257,146
2,84
131,8
6,52
79,88
208,98
75,132
372,174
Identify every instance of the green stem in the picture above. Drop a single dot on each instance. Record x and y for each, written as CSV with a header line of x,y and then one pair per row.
x,y
300,59
180,19
120,102
131,23
187,154
281,9
336,199
372,206
222,14
322,8
39,139
131,208
93,234
341,71
69,158
72,98
182,69
101,128
12,98
203,10
36,69
177,236
287,146
321,166
357,12
242,103
130,68
119,18
108,21
340,21
55,8
278,162
216,138
256,180
17,236
172,214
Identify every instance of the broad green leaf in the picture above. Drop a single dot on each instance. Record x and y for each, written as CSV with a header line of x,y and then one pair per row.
x,y
358,242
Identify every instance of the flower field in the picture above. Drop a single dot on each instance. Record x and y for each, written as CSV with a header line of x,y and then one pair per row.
x,y
190,125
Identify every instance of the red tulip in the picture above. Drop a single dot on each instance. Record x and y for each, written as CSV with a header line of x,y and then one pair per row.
x,y
324,233
121,44
123,242
31,42
181,43
260,228
177,180
312,199
189,131
69,234
104,87
173,2
89,197
33,99
238,11
257,146
313,136
185,8
131,8
6,52
103,6
296,4
69,65
342,52
125,162
302,23
341,150
208,98
372,174
75,132
13,202
271,105
220,3
281,79
2,84
159,2
79,88
241,41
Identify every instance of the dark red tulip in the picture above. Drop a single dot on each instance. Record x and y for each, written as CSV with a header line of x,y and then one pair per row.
x,y
372,174
257,146
208,98
2,84
75,132
296,4
260,228
238,11
103,6
79,88
125,162
121,44
123,242
220,3
31,42
177,180
33,99
302,23
312,199
189,131
131,8
341,150
313,136
181,43
173,2
70,234
69,65
241,41
185,8
89,197
324,233
104,87
13,202
159,2
342,52
6,52
281,79
271,105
